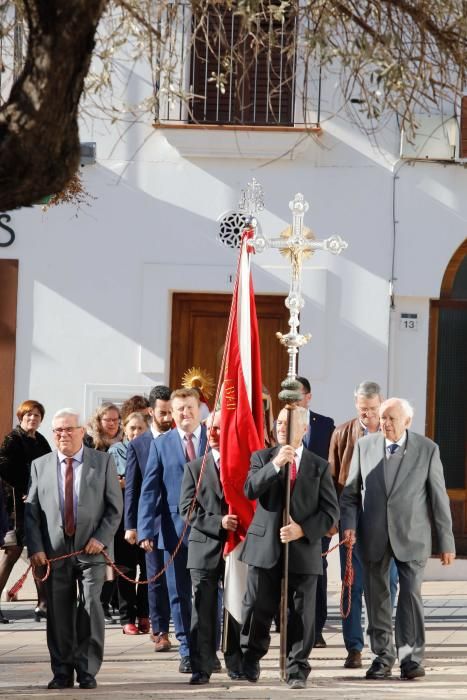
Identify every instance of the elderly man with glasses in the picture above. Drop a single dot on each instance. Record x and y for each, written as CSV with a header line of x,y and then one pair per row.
x,y
74,504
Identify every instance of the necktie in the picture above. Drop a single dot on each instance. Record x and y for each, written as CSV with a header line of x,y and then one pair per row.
x,y
293,474
69,513
190,448
392,448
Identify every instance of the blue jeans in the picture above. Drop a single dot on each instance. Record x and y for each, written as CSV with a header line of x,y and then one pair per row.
x,y
352,629
179,587
158,597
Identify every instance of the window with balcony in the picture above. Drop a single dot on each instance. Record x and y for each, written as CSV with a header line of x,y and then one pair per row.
x,y
240,74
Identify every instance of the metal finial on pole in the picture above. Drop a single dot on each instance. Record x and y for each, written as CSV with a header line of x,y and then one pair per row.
x,y
252,198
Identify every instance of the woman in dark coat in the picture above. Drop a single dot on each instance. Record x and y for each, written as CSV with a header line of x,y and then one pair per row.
x,y
18,450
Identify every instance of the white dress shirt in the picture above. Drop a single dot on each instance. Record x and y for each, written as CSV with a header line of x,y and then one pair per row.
x,y
61,472
399,442
196,437
298,457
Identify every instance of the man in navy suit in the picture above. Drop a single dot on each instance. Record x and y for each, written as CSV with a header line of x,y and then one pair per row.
x,y
137,457
317,439
163,480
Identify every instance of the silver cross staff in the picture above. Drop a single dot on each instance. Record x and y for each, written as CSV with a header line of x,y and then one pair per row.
x,y
296,244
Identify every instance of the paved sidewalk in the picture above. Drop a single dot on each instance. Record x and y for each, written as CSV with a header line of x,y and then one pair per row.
x,y
132,670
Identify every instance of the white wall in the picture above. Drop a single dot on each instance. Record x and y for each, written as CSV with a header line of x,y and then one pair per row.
x,y
94,290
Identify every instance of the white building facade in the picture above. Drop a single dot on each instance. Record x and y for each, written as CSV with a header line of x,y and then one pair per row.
x,y
95,290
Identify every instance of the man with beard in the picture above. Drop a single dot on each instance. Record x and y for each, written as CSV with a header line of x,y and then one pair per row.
x,y
137,456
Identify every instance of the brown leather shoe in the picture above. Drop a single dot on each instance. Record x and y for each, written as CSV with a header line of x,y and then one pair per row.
x,y
162,642
143,625
354,659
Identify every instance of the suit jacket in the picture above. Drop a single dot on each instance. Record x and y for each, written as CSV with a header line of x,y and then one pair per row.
x,y
99,510
207,536
402,516
163,479
318,435
136,460
313,505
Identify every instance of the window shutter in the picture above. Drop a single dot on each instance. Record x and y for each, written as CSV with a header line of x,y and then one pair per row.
x,y
233,83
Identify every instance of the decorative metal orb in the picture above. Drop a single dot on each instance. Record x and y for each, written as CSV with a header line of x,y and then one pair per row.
x,y
231,227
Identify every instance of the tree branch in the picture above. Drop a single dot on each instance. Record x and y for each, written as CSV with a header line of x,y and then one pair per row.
x,y
39,142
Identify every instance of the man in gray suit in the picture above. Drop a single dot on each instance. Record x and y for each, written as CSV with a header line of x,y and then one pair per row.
x,y
74,502
395,484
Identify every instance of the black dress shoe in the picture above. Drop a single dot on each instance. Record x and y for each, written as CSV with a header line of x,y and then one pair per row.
x,y
61,682
236,675
40,614
185,665
216,665
411,670
251,670
320,642
108,615
87,682
199,678
378,671
3,620
296,683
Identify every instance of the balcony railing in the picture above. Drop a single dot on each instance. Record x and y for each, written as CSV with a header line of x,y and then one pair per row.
x,y
208,74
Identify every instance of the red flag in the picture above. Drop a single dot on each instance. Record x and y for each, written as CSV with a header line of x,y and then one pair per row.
x,y
242,402
241,422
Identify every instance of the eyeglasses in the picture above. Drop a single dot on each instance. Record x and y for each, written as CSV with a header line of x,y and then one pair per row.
x,y
66,431
110,420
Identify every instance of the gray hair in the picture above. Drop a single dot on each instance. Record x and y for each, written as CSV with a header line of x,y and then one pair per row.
x,y
63,412
405,405
301,412
367,389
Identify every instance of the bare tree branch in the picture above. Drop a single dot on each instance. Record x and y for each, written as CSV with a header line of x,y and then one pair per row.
x,y
39,144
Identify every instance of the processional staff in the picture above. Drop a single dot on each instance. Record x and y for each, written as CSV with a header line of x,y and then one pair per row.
x,y
296,243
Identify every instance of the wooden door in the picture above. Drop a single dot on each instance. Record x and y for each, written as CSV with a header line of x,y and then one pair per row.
x,y
8,297
447,387
199,327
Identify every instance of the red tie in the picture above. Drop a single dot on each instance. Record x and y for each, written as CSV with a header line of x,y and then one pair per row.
x,y
190,448
69,512
293,474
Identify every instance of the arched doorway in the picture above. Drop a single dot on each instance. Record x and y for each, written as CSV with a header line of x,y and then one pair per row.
x,y
447,386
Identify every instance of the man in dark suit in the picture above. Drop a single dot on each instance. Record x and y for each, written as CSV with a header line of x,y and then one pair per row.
x,y
137,457
74,503
210,523
319,428
317,439
313,511
162,483
394,494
